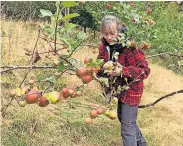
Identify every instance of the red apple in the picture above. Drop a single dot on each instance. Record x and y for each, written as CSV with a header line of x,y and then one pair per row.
x,y
66,95
86,79
108,6
32,96
100,110
65,90
86,60
71,92
88,120
43,102
93,113
80,72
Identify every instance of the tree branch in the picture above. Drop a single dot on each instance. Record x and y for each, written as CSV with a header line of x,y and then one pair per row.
x,y
171,54
152,104
25,67
75,48
4,108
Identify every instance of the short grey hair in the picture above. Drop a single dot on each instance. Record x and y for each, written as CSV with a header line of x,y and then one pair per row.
x,y
109,19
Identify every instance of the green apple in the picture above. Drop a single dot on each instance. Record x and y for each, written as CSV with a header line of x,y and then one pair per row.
x,y
18,92
25,89
54,96
47,96
22,103
106,113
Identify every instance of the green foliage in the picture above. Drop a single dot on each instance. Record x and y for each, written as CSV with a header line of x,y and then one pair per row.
x,y
69,3
168,29
86,19
64,32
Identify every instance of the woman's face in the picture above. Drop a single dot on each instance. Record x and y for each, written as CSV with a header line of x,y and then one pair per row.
x,y
110,32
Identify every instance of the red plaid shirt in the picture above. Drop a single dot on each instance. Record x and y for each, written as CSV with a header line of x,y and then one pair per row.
x,y
135,67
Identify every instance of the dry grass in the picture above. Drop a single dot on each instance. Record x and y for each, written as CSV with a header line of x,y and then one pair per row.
x,y
62,124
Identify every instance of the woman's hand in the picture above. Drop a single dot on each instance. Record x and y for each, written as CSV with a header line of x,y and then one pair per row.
x,y
113,69
116,72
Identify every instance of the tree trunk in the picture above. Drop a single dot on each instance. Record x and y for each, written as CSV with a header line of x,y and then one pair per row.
x,y
94,34
85,29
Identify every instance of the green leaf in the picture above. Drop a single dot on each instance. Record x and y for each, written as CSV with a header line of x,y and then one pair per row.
x,y
81,35
45,13
51,79
69,3
99,61
180,63
66,42
69,16
70,26
61,67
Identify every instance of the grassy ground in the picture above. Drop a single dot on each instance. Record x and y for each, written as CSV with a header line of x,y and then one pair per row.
x,y
62,124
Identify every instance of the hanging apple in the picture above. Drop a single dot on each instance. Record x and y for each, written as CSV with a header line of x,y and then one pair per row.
x,y
80,72
32,96
54,96
86,79
43,102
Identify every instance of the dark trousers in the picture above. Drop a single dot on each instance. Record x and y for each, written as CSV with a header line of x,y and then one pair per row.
x,y
130,132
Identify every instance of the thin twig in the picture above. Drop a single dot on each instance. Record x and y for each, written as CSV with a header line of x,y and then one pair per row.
x,y
6,107
50,51
51,84
95,46
175,55
163,97
31,60
9,39
25,67
98,6
35,47
56,24
51,41
58,53
33,67
32,129
75,48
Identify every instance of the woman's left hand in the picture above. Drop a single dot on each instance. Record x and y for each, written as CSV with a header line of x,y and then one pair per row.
x,y
116,72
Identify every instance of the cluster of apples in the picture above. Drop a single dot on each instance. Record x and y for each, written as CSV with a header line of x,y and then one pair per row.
x,y
99,111
145,46
93,114
35,96
85,73
26,95
69,92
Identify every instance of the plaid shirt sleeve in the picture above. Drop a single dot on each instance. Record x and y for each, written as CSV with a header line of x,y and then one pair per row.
x,y
138,68
101,54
